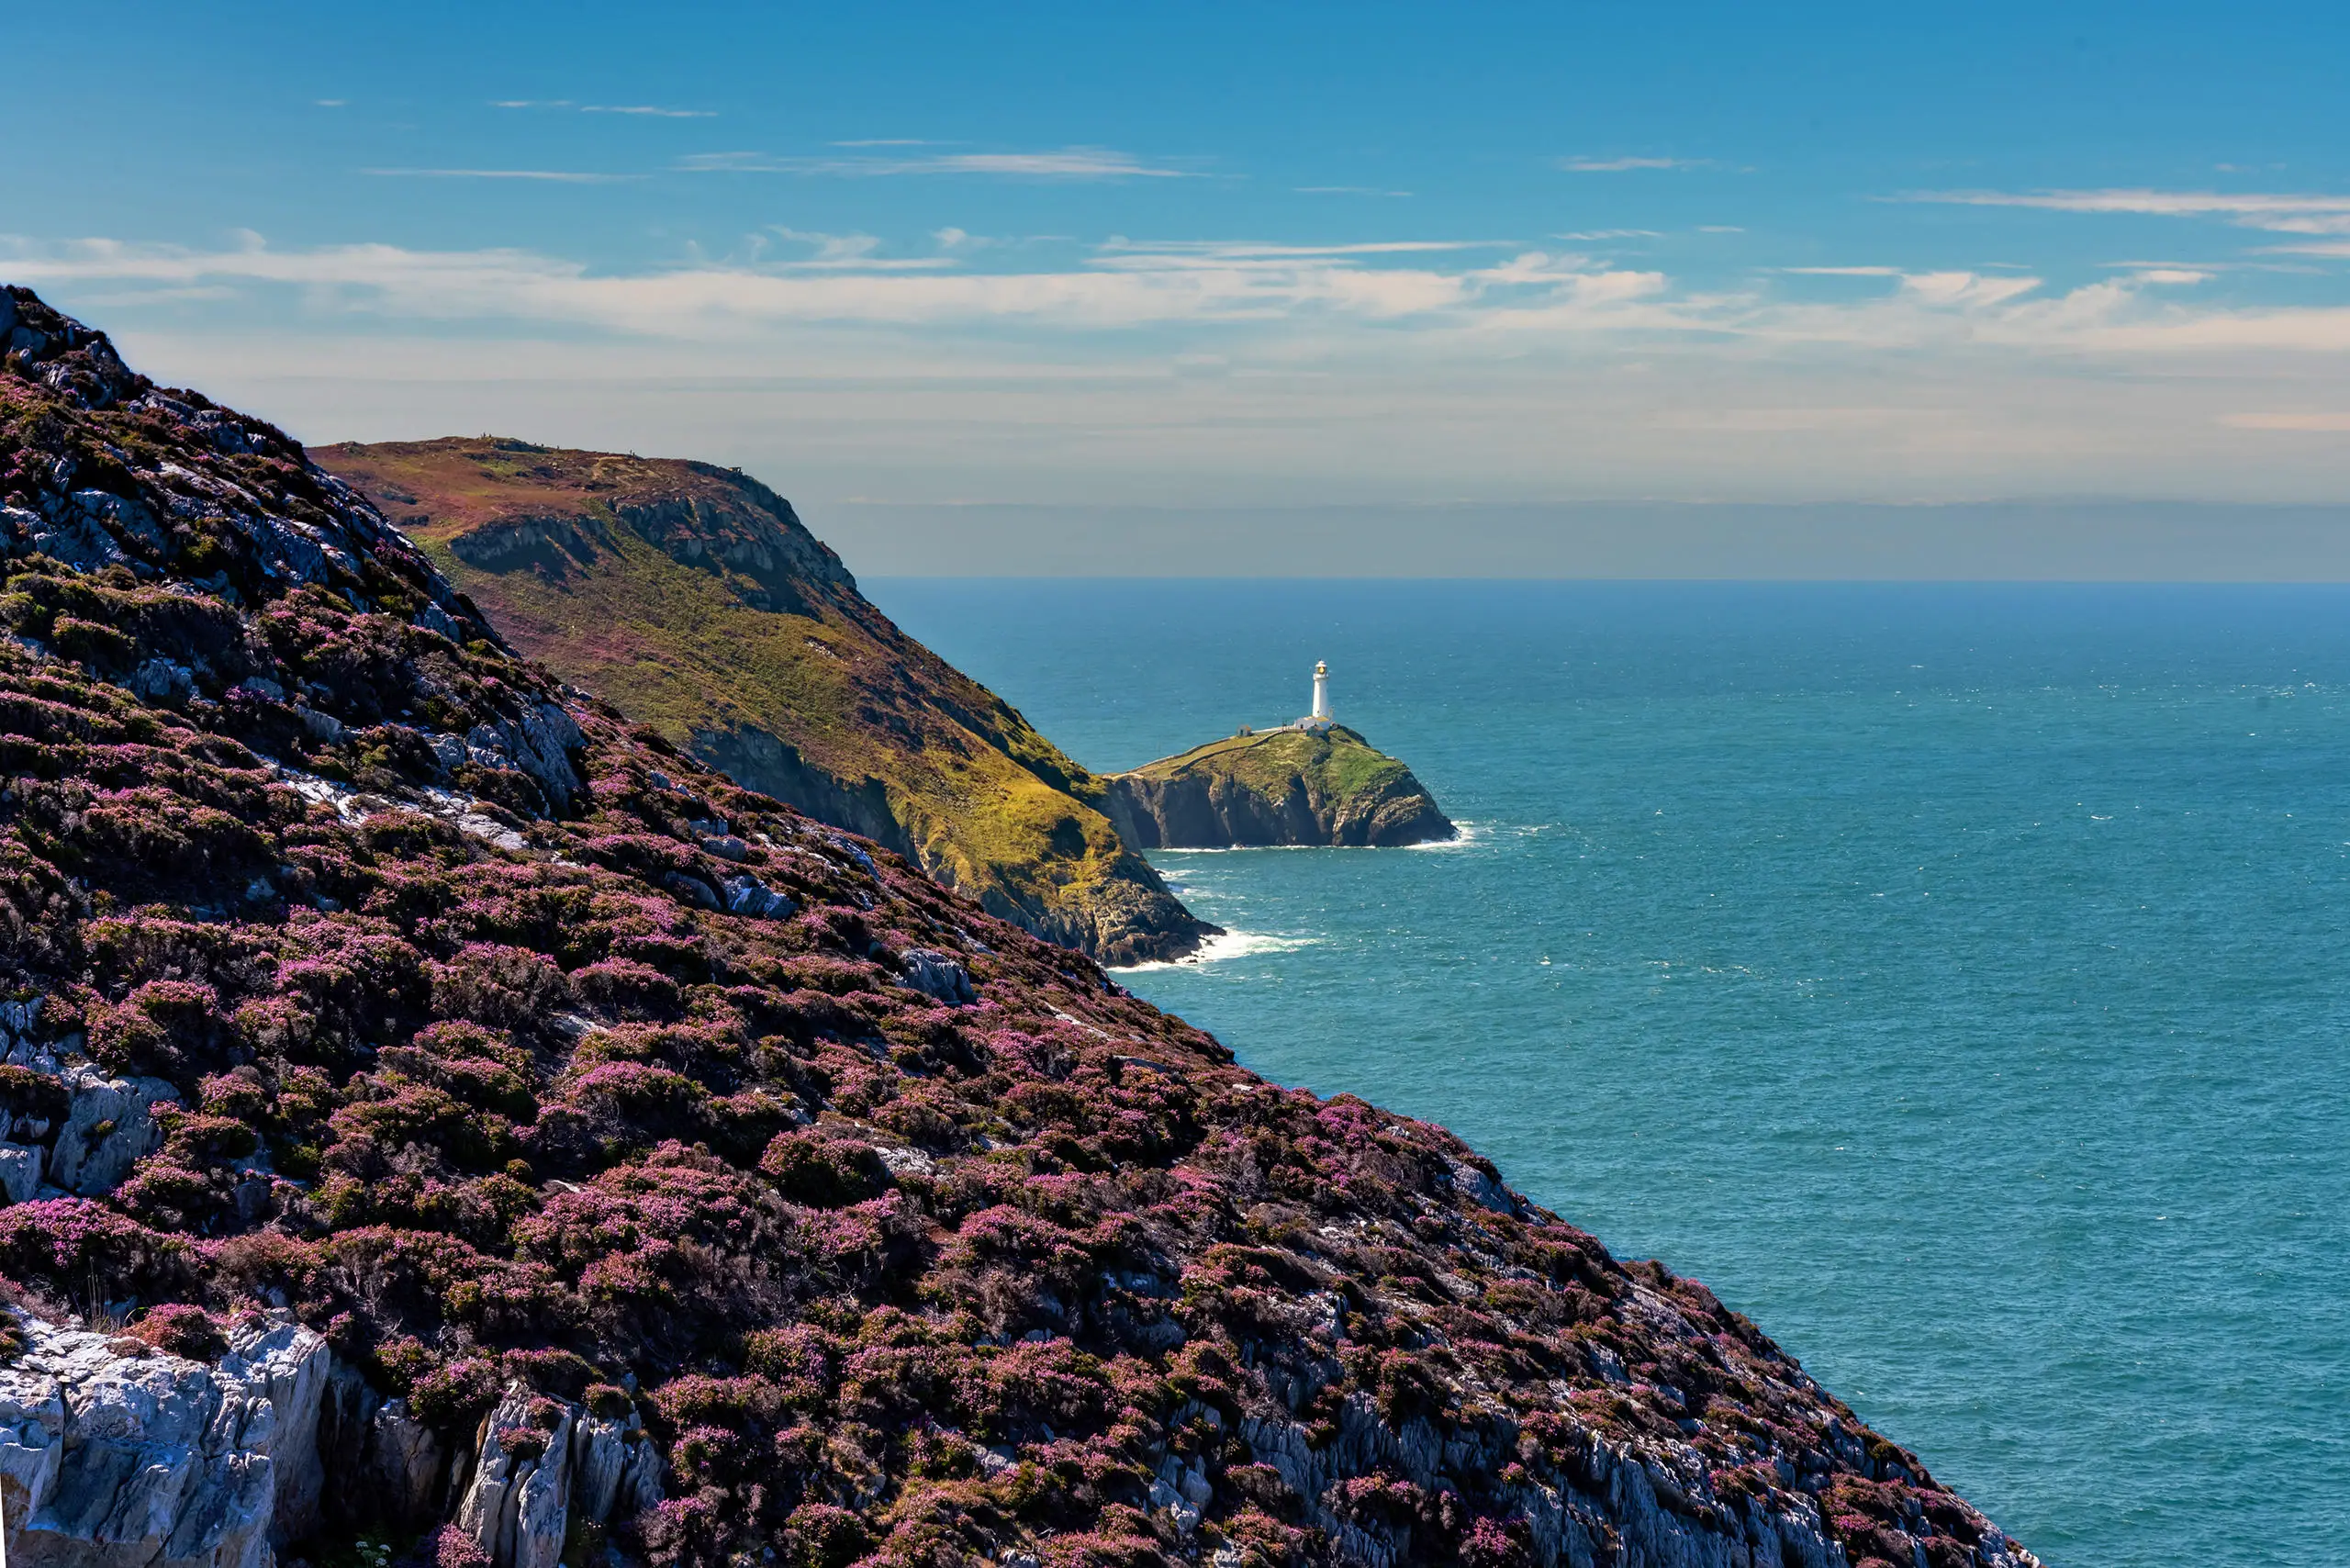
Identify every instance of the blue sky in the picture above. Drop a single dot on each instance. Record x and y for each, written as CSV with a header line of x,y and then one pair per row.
x,y
1232,256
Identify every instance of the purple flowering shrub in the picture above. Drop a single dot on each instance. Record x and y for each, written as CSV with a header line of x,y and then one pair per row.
x,y
507,1094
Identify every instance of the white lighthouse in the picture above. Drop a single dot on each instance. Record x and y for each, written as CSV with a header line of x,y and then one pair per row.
x,y
1321,713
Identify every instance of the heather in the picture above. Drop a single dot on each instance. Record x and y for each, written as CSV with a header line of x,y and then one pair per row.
x,y
552,1078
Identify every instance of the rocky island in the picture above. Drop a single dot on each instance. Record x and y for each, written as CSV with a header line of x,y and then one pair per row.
x,y
1314,781
692,598
448,1124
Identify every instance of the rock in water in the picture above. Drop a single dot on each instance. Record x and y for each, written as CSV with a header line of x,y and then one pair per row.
x,y
858,1224
1324,785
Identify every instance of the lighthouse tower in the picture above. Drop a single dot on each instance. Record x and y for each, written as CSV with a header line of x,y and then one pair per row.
x,y
1321,713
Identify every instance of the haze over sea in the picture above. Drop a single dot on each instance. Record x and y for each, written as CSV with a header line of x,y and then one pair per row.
x,y
1956,978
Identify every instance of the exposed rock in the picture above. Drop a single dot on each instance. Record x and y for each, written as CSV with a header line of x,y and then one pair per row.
x,y
540,1461
387,1465
936,975
110,1460
111,1124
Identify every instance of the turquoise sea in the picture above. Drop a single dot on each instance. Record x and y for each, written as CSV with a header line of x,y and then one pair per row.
x,y
1956,978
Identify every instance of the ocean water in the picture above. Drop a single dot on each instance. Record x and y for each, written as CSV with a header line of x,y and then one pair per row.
x,y
1956,980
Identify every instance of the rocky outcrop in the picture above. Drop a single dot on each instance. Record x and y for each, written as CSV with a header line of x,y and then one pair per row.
x,y
116,1456
1280,786
388,1465
757,760
542,1463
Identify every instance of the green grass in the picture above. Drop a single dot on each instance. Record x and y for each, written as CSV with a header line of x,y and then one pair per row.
x,y
1336,764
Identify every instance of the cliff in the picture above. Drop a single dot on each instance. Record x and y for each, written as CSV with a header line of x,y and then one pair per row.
x,y
1320,785
444,1123
693,598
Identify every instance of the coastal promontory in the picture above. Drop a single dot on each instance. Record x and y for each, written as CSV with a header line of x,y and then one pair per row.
x,y
1310,783
692,598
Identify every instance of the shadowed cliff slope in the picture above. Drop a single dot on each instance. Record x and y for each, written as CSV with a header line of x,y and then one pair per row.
x,y
1277,787
691,598
458,1118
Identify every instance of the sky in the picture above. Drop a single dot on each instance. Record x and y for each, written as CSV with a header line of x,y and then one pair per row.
x,y
993,287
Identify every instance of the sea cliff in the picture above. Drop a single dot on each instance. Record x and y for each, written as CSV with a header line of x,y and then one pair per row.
x,y
692,598
446,1122
1319,784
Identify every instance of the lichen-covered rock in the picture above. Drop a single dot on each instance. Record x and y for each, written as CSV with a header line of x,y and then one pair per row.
x,y
612,1198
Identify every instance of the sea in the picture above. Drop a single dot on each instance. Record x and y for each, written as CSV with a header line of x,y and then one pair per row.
x,y
1956,979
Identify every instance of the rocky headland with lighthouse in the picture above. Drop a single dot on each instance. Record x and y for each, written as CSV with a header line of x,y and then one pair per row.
x,y
1311,781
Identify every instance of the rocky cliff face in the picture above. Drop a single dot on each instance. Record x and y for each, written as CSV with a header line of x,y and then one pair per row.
x,y
1280,786
691,597
522,1146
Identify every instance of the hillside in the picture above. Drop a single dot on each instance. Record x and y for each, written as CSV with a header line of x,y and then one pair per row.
x,y
444,1124
691,598
1325,785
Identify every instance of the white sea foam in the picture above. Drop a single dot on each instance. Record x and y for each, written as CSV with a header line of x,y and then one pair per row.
x,y
1231,944
1467,835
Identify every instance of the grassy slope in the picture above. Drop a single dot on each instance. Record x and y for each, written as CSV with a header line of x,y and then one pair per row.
x,y
1337,767
989,805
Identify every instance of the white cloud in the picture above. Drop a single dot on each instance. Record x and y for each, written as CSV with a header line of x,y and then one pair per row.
x,y
2279,212
1239,366
655,111
1064,163
1624,165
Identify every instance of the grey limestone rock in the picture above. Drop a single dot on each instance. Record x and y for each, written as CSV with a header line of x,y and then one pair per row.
x,y
936,975
540,1460
111,1126
20,1171
748,895
539,742
117,1460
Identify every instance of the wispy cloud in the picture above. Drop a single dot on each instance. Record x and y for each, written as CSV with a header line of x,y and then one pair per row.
x,y
329,103
559,176
2282,212
1625,165
1064,163
655,111
1429,291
